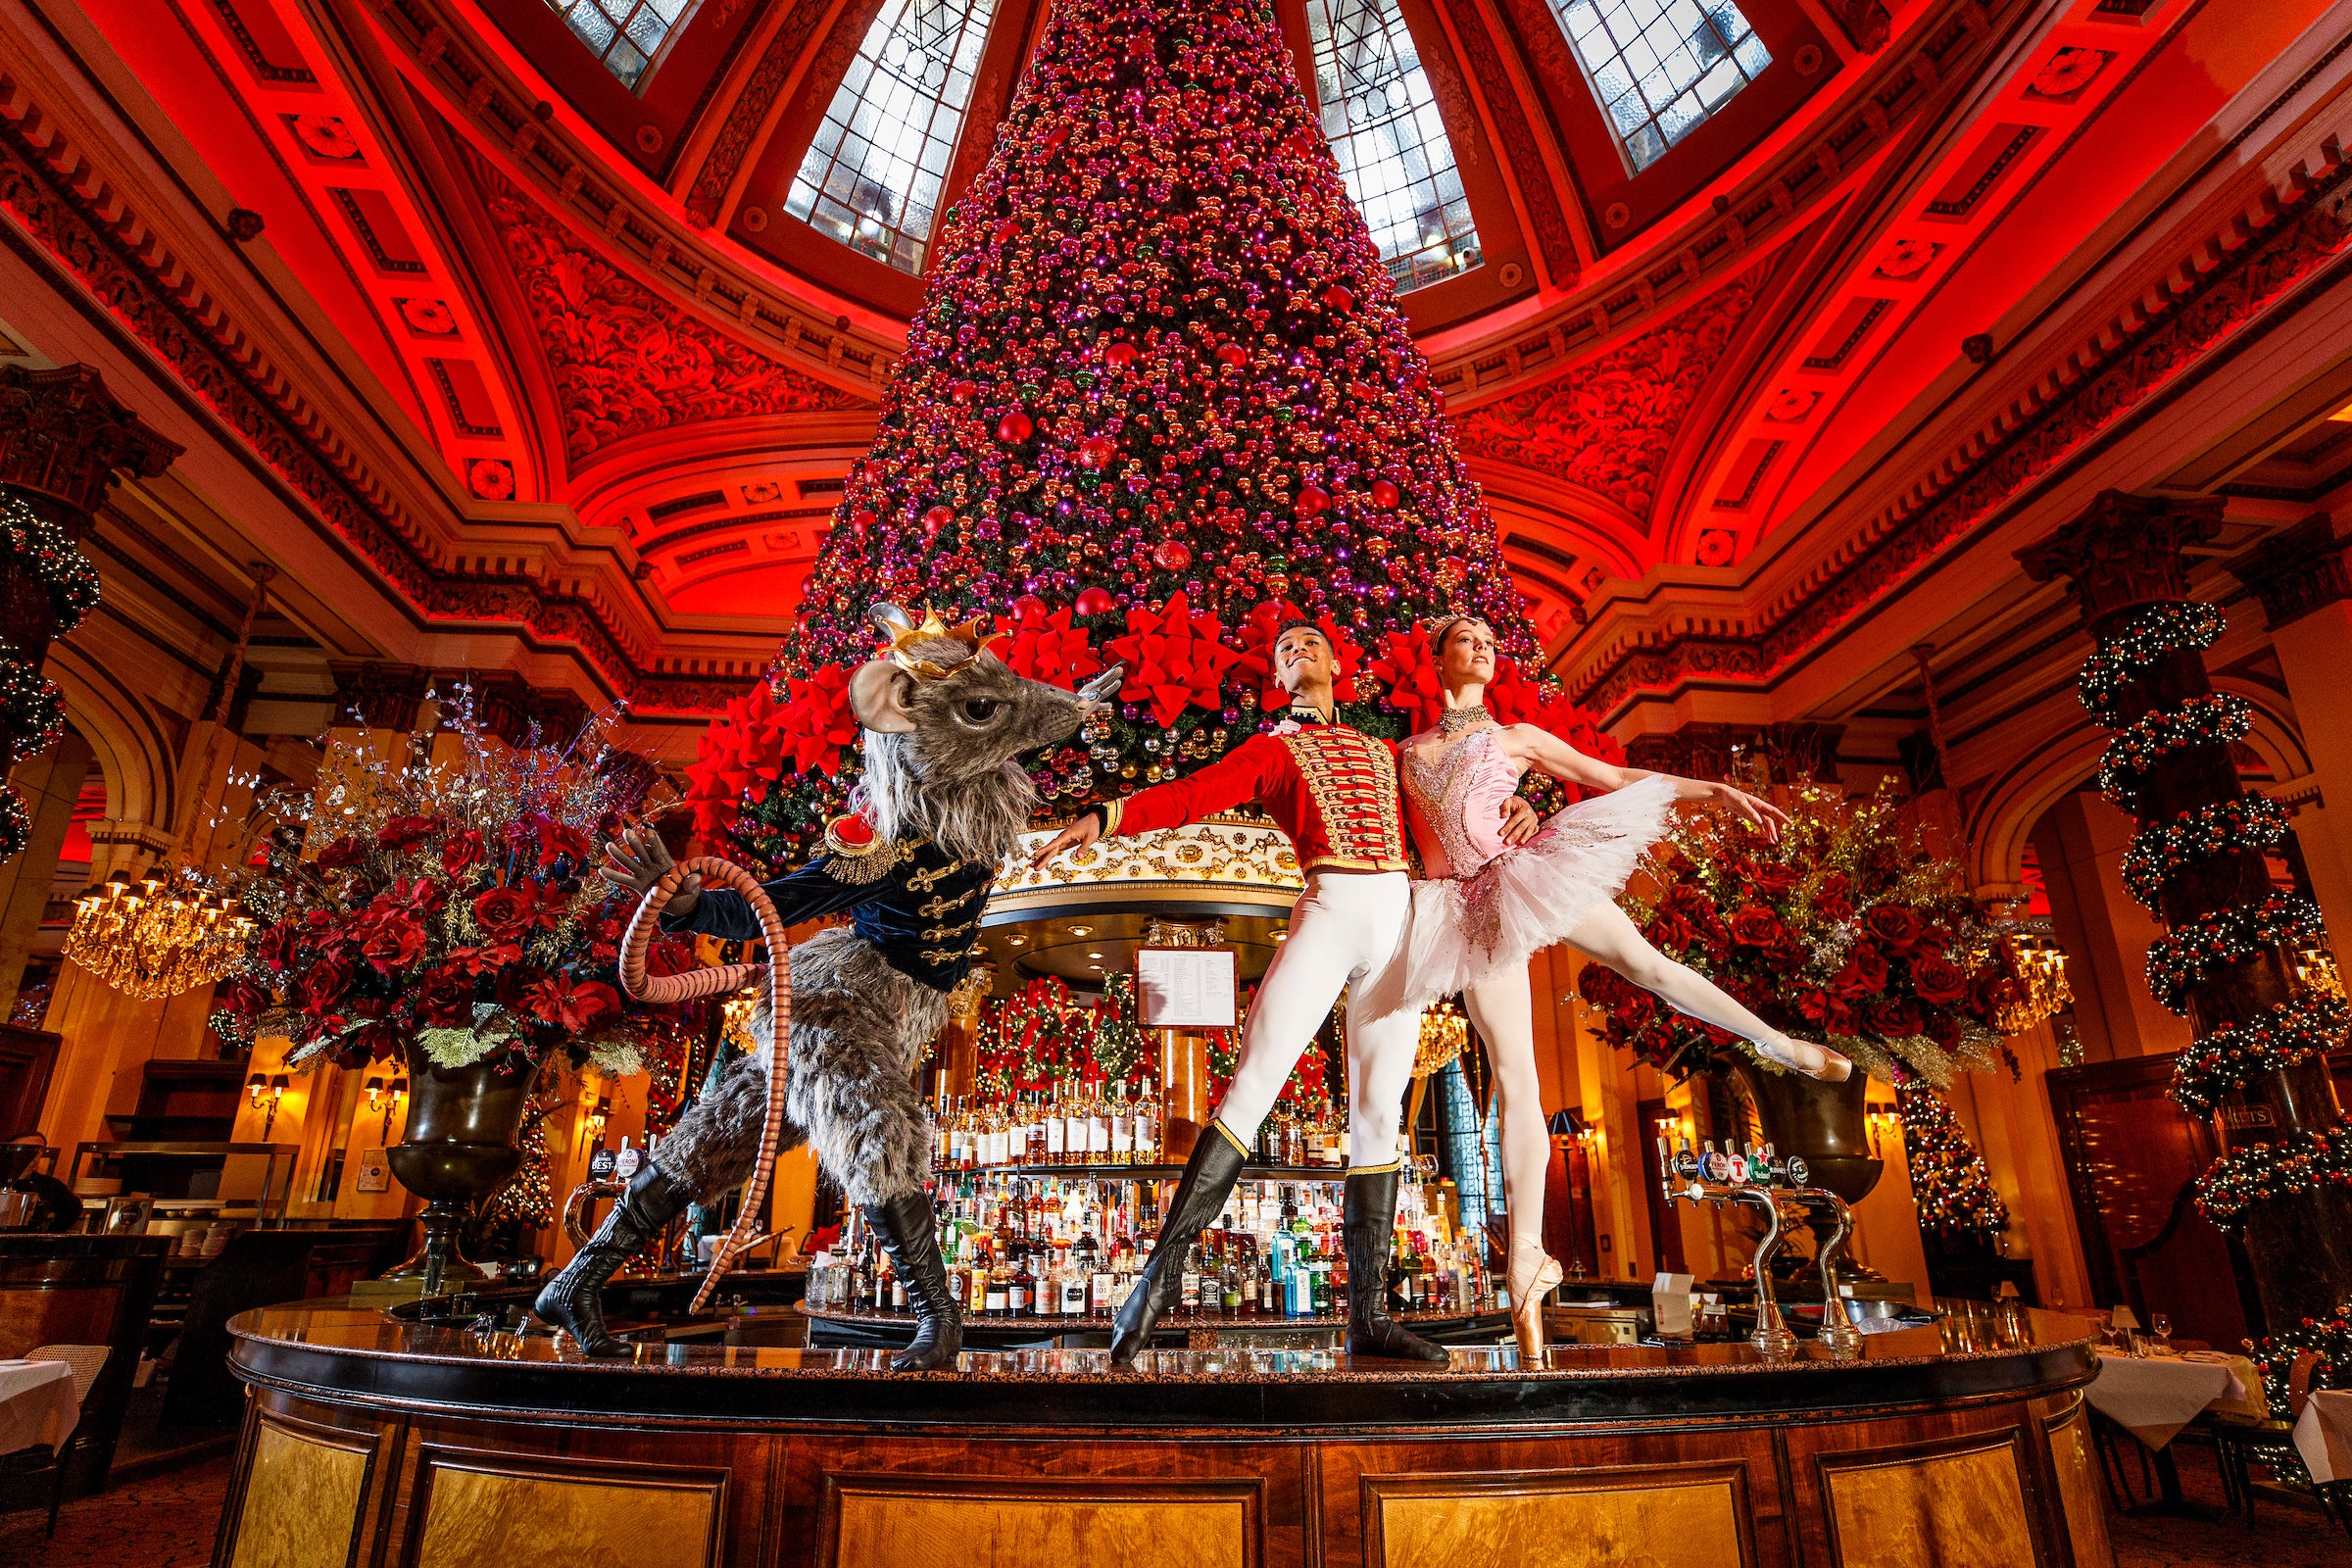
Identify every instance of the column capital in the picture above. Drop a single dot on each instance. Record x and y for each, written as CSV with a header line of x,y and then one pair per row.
x,y
2297,570
2124,551
63,437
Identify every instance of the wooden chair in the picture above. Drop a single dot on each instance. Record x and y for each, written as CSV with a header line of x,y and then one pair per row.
x,y
85,1362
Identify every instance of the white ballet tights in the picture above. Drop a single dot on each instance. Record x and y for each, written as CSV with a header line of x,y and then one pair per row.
x,y
1501,1009
1345,930
1608,935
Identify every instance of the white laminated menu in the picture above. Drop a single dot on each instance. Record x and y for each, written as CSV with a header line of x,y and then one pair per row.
x,y
1670,1303
1184,988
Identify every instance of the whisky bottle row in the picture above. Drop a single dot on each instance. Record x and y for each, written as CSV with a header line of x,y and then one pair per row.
x,y
1077,1126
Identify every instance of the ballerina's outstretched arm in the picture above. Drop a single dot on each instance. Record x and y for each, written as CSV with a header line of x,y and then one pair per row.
x,y
1533,745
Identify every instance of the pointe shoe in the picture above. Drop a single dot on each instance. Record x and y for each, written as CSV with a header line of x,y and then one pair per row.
x,y
1817,1063
1526,1312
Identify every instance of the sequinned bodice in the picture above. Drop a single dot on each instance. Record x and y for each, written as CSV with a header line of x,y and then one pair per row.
x,y
1459,794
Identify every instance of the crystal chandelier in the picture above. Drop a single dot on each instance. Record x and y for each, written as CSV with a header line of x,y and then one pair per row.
x,y
170,929
2040,964
1444,1032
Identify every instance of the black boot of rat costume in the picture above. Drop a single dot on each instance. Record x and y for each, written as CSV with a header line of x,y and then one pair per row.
x,y
1200,1194
1368,1221
573,1300
910,1234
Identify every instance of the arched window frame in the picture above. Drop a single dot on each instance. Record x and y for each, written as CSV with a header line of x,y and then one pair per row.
x,y
1660,68
618,32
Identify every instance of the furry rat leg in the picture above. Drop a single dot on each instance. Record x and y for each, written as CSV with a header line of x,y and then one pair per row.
x,y
712,1148
859,1027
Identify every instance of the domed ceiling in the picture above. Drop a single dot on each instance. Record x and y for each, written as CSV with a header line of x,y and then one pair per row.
x,y
633,272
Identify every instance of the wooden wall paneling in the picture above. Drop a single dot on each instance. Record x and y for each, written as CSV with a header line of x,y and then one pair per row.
x,y
1907,1505
1903,1442
474,1507
302,1501
2077,1494
1574,1499
1178,1496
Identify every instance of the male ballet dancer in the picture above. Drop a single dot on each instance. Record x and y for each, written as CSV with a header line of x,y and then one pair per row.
x,y
1332,790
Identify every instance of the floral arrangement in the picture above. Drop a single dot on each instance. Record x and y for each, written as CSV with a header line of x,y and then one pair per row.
x,y
442,905
1848,931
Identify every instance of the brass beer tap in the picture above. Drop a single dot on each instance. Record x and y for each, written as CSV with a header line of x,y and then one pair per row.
x,y
1762,1178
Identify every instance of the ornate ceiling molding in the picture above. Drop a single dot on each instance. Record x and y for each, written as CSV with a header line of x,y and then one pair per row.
x,y
637,225
624,362
2205,304
78,220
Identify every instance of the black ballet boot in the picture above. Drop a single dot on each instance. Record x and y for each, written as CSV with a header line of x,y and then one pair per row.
x,y
1200,1194
908,1233
1368,1220
573,1300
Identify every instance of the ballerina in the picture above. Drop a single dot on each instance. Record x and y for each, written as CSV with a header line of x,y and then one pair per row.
x,y
1497,891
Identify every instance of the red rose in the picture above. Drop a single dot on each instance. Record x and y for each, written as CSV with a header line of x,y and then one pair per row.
x,y
277,946
504,913
1669,932
1775,880
243,997
460,851
1691,905
445,998
1937,981
1896,925
1813,1004
1893,1017
1757,927
394,944
1944,1029
1833,899
1838,1016
1863,975
341,853
325,981
406,832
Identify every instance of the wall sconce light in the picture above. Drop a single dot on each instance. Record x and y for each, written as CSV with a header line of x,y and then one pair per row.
x,y
1884,1121
598,1117
256,1087
271,1090
390,1100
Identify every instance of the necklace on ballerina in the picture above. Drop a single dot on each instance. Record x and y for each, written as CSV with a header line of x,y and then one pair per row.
x,y
1461,721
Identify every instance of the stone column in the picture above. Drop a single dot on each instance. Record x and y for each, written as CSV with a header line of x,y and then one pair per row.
x,y
2302,578
2124,560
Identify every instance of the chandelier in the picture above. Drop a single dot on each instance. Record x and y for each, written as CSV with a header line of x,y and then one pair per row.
x,y
1445,1033
170,929
2039,965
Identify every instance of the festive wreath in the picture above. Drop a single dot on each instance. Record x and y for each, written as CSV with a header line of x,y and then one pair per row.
x,y
2273,1039
32,708
2147,635
59,563
2159,850
2215,718
2180,958
2300,1163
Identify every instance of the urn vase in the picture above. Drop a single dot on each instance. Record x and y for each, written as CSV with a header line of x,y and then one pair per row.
x,y
460,1146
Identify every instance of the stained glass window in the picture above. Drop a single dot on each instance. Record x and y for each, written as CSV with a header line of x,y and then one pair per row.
x,y
1382,123
872,178
1661,66
625,34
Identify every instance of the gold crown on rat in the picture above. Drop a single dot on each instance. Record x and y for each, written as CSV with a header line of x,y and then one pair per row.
x,y
973,631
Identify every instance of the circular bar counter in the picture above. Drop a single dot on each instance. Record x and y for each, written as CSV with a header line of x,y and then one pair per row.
x,y
376,1440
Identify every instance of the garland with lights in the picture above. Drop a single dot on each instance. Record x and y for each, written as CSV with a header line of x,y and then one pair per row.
x,y
1950,1180
2215,718
35,541
32,711
1031,1041
2277,1037
2326,1341
16,823
2146,635
2160,849
2187,954
2300,1163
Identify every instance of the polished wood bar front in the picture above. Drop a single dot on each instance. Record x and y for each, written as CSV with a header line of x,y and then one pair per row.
x,y
368,1440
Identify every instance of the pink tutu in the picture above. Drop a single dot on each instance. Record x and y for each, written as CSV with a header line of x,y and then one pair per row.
x,y
1460,929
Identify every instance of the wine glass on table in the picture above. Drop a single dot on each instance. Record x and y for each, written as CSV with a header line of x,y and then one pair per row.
x,y
2160,1328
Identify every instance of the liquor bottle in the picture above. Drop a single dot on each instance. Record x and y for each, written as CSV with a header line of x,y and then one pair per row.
x,y
1098,1130
1147,1126
1122,1127
1050,1122
1189,1282
1020,1292
1073,1129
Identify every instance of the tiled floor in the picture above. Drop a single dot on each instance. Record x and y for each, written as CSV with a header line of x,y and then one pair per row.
x,y
168,1522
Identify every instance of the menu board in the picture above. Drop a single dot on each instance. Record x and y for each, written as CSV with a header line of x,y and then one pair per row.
x,y
1185,987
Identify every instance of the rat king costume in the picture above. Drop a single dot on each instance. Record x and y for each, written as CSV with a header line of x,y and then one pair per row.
x,y
1332,789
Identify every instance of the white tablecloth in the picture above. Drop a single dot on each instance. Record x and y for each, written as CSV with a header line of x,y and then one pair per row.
x,y
2324,1437
2154,1398
38,1404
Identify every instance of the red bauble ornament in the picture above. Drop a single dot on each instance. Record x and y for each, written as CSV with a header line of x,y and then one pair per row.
x,y
1094,452
1232,355
862,522
1312,502
1119,356
936,519
963,392
1028,605
1097,602
1339,298
1385,494
1171,554
1014,429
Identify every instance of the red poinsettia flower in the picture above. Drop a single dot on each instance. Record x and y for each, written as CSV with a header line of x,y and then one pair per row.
x,y
554,903
1042,644
1411,675
504,913
576,1006
483,958
1255,664
1173,656
414,893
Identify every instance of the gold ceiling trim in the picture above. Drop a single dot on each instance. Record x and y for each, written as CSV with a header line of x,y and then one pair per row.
x,y
1220,860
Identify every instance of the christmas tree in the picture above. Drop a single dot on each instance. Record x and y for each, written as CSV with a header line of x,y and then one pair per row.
x,y
1948,1179
1160,399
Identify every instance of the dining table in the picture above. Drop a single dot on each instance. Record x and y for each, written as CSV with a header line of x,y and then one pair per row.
x,y
2324,1435
2154,1397
39,1405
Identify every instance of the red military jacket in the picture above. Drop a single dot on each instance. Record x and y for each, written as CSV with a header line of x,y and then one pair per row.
x,y
1332,788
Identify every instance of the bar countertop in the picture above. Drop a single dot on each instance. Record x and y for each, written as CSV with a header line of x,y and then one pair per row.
x,y
347,1352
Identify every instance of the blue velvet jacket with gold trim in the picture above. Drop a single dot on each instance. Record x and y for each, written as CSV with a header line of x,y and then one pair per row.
x,y
919,906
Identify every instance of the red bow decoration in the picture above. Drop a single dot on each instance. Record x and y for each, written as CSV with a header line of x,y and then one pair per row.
x,y
1511,696
1174,656
1047,646
1255,664
815,721
1411,675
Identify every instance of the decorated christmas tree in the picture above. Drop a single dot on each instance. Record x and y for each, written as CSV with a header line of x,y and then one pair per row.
x,y
1948,1179
1160,399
